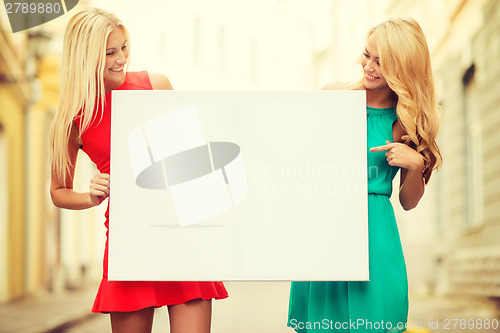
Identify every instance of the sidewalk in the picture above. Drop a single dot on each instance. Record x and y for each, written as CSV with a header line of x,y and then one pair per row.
x,y
252,307
50,313
438,314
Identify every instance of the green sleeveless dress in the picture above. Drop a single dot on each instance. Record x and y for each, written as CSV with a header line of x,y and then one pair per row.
x,y
378,305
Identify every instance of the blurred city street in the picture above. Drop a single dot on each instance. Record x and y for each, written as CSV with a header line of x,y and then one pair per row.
x,y
253,307
51,258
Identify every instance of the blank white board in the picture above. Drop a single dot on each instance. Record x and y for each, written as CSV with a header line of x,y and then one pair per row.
x,y
238,185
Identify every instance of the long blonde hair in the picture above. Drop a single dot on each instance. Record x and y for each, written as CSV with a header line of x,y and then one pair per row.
x,y
406,66
82,82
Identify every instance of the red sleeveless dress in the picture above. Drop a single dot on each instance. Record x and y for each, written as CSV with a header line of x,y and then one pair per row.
x,y
125,296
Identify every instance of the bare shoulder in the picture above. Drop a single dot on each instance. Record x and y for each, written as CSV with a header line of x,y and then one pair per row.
x,y
335,86
160,81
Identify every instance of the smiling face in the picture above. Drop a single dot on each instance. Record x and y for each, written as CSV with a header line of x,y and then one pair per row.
x,y
373,77
116,59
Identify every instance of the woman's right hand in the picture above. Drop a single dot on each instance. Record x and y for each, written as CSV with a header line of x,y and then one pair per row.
x,y
99,189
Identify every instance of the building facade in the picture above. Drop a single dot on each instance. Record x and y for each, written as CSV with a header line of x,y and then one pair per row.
x,y
469,220
15,95
463,218
42,249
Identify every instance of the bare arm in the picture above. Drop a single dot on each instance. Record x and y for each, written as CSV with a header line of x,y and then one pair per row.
x,y
412,187
412,184
63,195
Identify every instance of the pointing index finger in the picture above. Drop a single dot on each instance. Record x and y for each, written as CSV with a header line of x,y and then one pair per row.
x,y
380,148
386,147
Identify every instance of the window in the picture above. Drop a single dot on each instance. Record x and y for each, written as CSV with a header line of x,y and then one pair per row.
x,y
473,151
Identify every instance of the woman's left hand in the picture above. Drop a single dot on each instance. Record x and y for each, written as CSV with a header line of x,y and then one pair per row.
x,y
401,155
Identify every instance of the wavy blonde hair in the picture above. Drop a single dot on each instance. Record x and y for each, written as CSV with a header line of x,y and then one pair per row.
x,y
82,82
406,66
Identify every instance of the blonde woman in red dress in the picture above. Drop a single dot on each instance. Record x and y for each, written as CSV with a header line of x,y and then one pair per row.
x,y
95,58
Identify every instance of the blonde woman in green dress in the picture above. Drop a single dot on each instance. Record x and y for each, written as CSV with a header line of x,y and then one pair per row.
x,y
402,124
